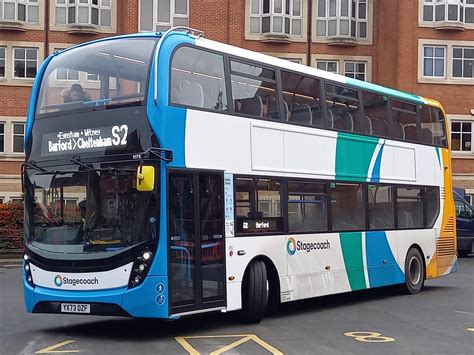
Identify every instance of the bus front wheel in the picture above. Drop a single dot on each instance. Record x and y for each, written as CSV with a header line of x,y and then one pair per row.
x,y
255,292
414,271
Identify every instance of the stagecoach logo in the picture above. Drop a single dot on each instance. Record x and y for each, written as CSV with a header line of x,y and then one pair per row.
x,y
292,246
60,280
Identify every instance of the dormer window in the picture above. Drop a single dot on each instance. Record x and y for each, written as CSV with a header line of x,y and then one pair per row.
x,y
19,10
342,18
276,17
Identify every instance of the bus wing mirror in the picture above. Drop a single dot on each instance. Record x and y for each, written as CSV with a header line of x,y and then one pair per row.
x,y
146,178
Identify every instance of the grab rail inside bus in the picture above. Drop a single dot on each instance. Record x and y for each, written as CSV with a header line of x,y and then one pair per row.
x,y
185,29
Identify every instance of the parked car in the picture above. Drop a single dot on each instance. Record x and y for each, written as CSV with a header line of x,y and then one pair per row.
x,y
465,225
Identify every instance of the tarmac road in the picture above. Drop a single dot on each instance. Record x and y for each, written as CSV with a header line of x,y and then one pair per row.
x,y
381,321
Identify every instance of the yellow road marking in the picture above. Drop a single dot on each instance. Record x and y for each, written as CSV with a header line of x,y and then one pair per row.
x,y
231,346
186,346
369,337
53,348
470,329
244,338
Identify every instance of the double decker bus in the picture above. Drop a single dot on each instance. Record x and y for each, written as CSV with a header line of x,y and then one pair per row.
x,y
168,175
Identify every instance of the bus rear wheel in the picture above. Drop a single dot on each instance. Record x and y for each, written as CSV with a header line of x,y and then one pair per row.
x,y
255,292
414,271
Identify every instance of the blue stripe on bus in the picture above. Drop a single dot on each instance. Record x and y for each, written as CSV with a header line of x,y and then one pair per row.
x,y
377,251
170,134
378,161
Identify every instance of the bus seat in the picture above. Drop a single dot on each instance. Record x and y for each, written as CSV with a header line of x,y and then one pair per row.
x,y
272,108
301,114
192,94
426,136
379,127
318,116
397,130
367,125
286,111
410,133
252,106
344,121
405,220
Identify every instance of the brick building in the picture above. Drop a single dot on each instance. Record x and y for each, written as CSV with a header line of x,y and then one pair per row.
x,y
421,46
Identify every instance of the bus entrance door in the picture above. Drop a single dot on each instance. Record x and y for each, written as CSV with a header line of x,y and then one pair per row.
x,y
196,241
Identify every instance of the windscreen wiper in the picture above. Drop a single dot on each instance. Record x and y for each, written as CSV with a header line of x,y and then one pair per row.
x,y
76,159
32,165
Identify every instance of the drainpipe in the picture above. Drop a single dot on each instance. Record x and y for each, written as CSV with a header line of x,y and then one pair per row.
x,y
46,28
310,31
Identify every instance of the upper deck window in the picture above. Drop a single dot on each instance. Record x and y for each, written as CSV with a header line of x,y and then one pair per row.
x,y
254,90
197,79
120,66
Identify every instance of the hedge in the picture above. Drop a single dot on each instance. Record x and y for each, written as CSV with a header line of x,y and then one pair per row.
x,y
11,225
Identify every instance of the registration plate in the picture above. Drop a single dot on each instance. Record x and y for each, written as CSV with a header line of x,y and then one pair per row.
x,y
75,308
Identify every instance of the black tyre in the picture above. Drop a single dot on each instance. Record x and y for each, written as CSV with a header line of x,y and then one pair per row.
x,y
463,253
255,292
414,271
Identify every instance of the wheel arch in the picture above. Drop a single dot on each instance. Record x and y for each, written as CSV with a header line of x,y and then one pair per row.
x,y
418,247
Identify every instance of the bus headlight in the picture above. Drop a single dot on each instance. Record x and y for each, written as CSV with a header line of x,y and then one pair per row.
x,y
140,268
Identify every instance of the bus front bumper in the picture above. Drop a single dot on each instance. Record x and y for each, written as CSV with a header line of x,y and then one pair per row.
x,y
143,301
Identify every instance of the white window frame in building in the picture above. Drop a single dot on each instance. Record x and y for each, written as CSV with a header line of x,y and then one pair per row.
x,y
430,61
25,61
449,46
30,8
355,72
2,135
22,135
465,62
341,62
324,65
69,72
342,18
284,17
439,11
175,18
461,132
101,7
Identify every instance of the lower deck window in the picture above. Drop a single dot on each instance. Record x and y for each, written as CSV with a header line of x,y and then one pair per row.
x,y
307,207
347,207
409,208
258,205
